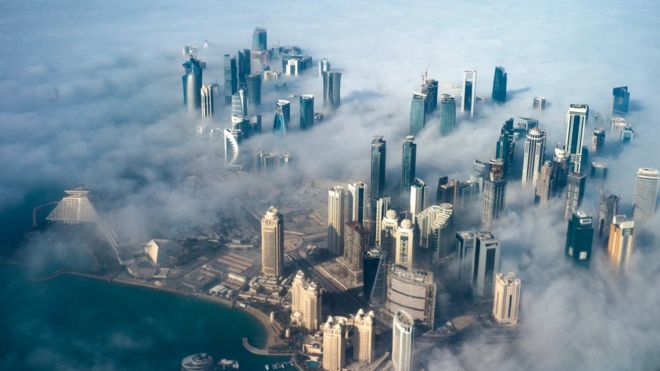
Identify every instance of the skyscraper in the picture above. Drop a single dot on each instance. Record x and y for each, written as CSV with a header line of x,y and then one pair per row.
x,y
358,205
412,290
499,85
646,193
389,226
331,89
363,336
430,89
469,98
545,185
272,243
260,39
417,198
574,193
231,77
506,300
336,212
447,114
243,67
356,240
539,103
334,345
306,111
479,172
506,145
598,170
238,107
534,156
620,101
598,140
192,83
207,97
609,206
485,263
494,194
621,242
403,337
465,243
408,163
324,66
405,244
417,113
378,156
449,191
382,205
231,146
579,238
436,230
576,120
306,302
282,116
253,88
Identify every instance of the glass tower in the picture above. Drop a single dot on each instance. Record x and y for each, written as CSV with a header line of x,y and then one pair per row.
x,y
533,157
620,101
576,120
231,83
192,83
499,85
469,98
579,237
430,89
494,194
254,93
417,113
408,163
259,39
282,116
331,88
306,111
378,156
447,114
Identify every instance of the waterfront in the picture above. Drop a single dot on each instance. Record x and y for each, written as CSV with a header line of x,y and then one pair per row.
x,y
78,323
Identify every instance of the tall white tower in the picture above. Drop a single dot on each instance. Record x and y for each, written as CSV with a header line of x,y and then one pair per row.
x,y
417,194
403,332
334,345
207,93
506,300
646,193
405,242
336,196
469,98
534,156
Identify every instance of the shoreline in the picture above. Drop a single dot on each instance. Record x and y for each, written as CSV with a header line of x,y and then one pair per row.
x,y
262,318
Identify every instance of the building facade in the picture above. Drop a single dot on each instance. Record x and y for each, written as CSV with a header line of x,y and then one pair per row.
x,y
413,291
576,121
646,193
579,238
417,113
506,300
408,163
499,85
403,337
494,194
447,114
306,302
469,96
336,221
306,111
534,156
272,243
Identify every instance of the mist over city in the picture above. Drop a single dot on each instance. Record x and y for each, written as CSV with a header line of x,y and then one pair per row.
x,y
240,245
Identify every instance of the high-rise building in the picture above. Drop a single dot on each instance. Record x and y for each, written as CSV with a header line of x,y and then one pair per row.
x,y
465,242
646,193
417,198
598,140
499,85
358,205
627,135
574,193
331,89
356,240
403,337
576,120
324,66
231,140
334,344
494,194
231,75
545,185
485,263
506,300
408,163
447,114
479,172
430,89
412,290
382,205
267,162
378,156
539,103
363,336
436,230
282,116
192,83
253,87
449,191
272,243
598,170
238,107
336,212
620,100
621,242
387,233
469,98
260,39
609,206
306,302
417,113
286,160
306,111
526,124
579,238
533,157
561,167
207,96
506,145
243,67
405,243
375,277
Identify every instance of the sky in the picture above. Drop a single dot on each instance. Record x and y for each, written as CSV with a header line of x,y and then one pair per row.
x,y
90,94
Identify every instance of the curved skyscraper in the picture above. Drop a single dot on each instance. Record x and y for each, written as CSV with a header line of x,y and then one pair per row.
x,y
417,113
469,98
447,114
306,111
403,333
534,156
253,93
499,85
192,83
272,243
231,147
282,116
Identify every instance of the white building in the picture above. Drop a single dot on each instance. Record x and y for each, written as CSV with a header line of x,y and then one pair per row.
x,y
208,106
646,193
334,344
405,243
403,332
389,224
417,195
336,222
506,300
306,302
435,229
159,250
534,156
621,242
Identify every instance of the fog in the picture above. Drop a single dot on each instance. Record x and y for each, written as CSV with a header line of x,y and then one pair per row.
x,y
91,94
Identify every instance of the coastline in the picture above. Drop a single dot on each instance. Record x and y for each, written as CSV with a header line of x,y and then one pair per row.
x,y
272,331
